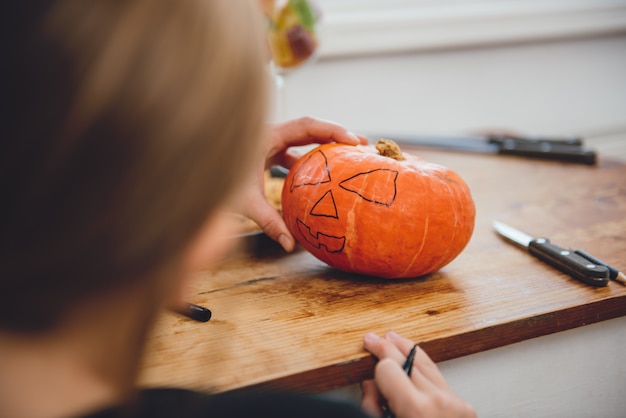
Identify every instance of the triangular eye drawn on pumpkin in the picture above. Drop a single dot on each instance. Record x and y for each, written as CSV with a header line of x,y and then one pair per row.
x,y
312,172
325,206
368,185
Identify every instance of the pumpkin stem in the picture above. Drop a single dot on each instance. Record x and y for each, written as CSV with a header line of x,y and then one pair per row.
x,y
388,148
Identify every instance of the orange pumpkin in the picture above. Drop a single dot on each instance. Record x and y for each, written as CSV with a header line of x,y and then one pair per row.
x,y
391,216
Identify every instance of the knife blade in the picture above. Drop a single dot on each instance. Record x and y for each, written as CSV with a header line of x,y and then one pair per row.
x,y
562,149
565,260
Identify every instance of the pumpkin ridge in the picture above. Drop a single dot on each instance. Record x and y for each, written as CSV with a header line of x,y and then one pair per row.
x,y
351,232
417,254
455,229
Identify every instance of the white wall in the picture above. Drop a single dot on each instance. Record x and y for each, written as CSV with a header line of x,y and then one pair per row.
x,y
578,373
573,86
374,26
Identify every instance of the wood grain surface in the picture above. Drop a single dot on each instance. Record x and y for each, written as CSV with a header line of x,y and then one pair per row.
x,y
291,322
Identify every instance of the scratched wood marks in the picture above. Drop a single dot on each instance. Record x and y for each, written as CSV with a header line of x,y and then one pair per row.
x,y
289,321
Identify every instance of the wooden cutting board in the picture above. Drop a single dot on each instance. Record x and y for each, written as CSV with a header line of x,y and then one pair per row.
x,y
289,321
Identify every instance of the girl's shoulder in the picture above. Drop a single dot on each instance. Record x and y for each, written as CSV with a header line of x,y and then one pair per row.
x,y
181,403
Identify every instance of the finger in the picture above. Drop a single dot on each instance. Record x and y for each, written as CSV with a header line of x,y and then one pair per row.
x,y
308,130
271,223
404,344
429,369
382,348
406,400
321,131
364,140
423,381
422,361
396,387
371,399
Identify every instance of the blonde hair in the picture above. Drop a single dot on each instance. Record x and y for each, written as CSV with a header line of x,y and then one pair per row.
x,y
131,122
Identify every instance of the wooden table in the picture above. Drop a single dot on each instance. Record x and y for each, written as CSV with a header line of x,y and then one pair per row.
x,y
289,321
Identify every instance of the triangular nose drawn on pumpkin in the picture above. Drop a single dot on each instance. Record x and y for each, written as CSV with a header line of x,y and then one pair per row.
x,y
325,206
368,185
312,172
331,243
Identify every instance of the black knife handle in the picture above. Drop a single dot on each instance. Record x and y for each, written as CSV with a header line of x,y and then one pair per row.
x,y
569,262
548,150
566,140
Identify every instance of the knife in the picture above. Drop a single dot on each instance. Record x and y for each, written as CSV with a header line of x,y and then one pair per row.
x,y
568,261
569,149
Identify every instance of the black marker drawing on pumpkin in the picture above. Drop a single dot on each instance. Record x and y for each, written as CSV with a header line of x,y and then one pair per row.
x,y
325,206
365,185
331,243
314,171
317,159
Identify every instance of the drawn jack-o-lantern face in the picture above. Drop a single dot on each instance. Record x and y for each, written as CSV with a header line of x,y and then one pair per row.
x,y
362,212
376,186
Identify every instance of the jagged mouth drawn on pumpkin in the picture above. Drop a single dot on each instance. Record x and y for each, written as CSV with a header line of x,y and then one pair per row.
x,y
331,243
377,186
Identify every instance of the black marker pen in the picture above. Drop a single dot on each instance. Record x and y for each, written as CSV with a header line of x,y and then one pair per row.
x,y
199,313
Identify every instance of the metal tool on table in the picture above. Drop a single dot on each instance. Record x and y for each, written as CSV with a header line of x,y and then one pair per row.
x,y
576,263
568,149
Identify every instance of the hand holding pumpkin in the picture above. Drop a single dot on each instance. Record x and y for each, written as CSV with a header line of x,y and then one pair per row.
x,y
282,137
424,394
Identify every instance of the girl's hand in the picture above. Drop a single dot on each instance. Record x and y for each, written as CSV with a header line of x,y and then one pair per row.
x,y
424,394
282,136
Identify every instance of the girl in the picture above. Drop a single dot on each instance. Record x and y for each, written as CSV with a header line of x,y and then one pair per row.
x,y
129,127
